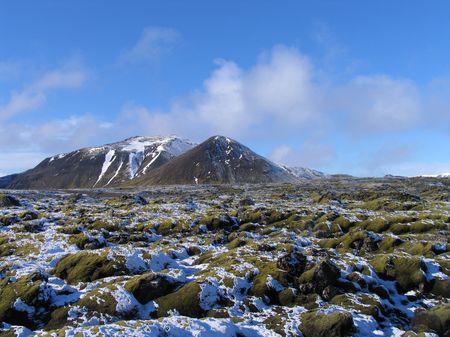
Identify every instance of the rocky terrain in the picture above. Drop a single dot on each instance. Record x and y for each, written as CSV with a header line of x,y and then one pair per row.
x,y
327,257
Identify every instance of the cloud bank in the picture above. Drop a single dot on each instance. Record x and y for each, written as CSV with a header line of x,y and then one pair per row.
x,y
281,97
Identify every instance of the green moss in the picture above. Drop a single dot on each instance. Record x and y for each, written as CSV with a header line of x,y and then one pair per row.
x,y
418,248
376,225
344,223
441,288
104,225
30,290
149,286
336,324
363,303
165,226
400,228
276,323
253,216
87,267
186,301
101,300
235,243
404,269
435,320
287,297
58,318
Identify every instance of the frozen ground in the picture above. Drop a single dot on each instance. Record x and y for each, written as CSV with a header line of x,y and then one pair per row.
x,y
331,257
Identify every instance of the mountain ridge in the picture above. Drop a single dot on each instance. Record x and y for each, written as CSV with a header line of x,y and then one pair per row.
x,y
144,161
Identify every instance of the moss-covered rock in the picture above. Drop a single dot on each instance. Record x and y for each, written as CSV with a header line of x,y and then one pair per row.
x,y
337,324
406,270
363,303
87,267
24,301
435,320
149,286
185,301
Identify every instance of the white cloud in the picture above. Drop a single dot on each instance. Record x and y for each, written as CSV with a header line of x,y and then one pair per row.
x,y
35,95
153,43
277,96
14,162
381,161
310,154
380,103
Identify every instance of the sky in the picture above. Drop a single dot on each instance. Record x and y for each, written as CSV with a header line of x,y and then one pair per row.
x,y
356,87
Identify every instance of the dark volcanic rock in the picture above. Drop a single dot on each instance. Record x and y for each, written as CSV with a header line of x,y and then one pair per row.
x,y
293,263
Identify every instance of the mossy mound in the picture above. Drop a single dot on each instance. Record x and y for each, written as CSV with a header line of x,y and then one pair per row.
x,y
217,222
88,267
150,286
363,303
7,200
406,270
103,301
435,320
185,301
321,279
337,324
84,241
24,302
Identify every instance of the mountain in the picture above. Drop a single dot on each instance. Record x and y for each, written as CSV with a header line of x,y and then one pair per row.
x,y
6,180
105,166
304,173
217,160
144,161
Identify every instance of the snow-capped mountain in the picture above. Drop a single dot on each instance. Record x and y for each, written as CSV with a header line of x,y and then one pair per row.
x,y
219,159
143,161
304,173
104,166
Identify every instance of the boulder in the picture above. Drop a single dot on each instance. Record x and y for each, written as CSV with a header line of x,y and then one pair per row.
x,y
336,324
435,320
150,286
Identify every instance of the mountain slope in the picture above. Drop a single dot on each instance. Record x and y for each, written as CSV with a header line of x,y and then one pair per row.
x,y
104,166
304,173
217,160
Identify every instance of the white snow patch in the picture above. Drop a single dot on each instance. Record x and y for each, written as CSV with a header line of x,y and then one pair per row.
x,y
109,158
115,174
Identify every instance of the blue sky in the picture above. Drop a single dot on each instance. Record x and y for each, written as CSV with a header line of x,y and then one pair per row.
x,y
359,87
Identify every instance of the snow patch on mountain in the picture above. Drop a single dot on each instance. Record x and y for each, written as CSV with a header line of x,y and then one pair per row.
x,y
115,174
109,158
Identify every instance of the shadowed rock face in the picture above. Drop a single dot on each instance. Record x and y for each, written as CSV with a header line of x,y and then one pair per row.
x,y
218,160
